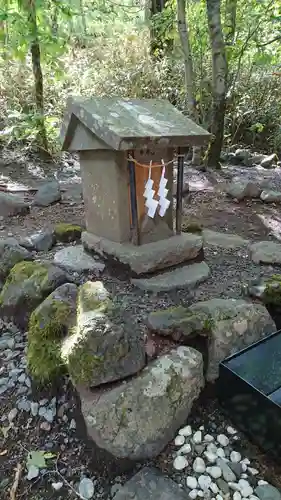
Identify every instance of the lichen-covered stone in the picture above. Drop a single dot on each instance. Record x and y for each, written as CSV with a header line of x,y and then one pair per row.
x,y
229,324
66,233
48,325
12,204
234,324
42,241
137,419
106,345
266,252
47,194
178,322
243,188
75,259
10,254
27,285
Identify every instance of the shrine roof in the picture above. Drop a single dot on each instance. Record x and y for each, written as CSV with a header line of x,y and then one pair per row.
x,y
125,124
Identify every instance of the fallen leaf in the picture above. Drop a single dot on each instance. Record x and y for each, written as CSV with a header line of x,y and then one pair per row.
x,y
37,459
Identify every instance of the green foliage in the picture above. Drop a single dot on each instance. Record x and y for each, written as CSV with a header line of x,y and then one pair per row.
x,y
66,233
103,48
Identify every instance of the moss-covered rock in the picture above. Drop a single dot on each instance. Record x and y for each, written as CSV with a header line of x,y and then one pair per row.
x,y
48,325
105,345
178,322
191,227
66,233
10,254
27,285
268,291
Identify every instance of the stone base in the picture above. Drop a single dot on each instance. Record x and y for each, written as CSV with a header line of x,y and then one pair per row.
x,y
149,257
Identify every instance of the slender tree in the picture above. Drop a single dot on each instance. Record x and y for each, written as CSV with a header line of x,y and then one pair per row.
x,y
30,7
230,21
219,81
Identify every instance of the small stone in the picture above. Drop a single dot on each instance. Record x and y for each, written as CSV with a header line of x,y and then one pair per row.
x,y
180,463
235,456
191,482
208,438
197,437
48,415
214,488
211,457
204,482
179,441
57,486
237,468
230,430
201,493
223,440
219,497
23,405
234,486
261,482
199,465
186,448
252,471
227,473
45,426
12,414
34,407
245,488
211,448
215,472
236,496
185,431
221,453
86,488
33,472
72,425
193,494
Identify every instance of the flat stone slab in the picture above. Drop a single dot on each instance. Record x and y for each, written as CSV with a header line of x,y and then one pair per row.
x,y
150,484
266,252
149,257
271,196
75,259
184,277
223,240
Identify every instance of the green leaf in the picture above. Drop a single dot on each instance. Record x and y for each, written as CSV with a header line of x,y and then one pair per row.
x,y
36,458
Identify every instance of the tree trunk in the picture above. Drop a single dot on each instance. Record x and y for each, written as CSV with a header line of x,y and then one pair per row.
x,y
37,72
188,65
83,18
160,42
219,83
230,21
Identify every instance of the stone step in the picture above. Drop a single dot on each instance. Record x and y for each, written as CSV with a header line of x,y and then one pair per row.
x,y
266,252
183,277
151,484
223,240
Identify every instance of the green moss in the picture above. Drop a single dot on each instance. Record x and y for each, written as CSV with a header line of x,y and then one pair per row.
x,y
192,227
45,334
272,292
208,324
92,296
22,272
67,232
82,363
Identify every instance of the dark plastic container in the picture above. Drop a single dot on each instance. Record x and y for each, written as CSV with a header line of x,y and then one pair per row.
x,y
249,389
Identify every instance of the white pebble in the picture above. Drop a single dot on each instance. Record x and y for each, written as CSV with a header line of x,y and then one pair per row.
x,y
211,457
234,486
253,497
244,476
253,471
201,493
212,448
186,448
244,466
193,494
204,482
220,452
235,457
179,441
222,440
215,471
230,430
185,431
12,414
245,461
180,463
246,488
57,486
199,465
219,497
208,438
261,482
236,496
191,482
197,437
201,428
214,488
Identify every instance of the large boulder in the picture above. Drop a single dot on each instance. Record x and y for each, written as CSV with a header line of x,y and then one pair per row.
x,y
48,325
228,324
12,204
42,241
269,161
268,291
47,194
10,254
137,419
243,188
106,345
75,259
27,285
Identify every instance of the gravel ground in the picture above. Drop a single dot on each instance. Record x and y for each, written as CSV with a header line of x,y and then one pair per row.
x,y
70,459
